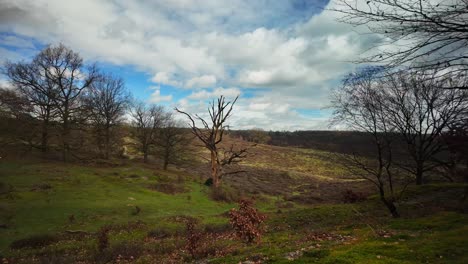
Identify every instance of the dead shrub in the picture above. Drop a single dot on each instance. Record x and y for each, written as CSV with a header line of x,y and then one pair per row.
x,y
349,196
193,238
35,241
247,221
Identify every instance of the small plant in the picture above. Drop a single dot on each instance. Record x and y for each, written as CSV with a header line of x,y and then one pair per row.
x,y
350,196
103,238
247,221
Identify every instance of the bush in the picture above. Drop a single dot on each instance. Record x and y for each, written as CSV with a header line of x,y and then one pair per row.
x,y
35,241
350,196
247,221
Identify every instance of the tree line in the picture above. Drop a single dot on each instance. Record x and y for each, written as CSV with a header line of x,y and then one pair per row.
x,y
60,103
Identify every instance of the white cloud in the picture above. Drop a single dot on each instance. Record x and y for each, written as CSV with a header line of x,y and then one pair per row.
x,y
205,94
202,81
156,96
203,44
164,78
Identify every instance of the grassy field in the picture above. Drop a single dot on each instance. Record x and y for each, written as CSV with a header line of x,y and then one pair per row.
x,y
50,212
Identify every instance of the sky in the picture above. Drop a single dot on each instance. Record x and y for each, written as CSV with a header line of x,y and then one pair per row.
x,y
282,58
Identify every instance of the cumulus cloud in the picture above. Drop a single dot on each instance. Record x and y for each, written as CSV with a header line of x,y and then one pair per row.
x,y
215,93
156,96
202,81
287,54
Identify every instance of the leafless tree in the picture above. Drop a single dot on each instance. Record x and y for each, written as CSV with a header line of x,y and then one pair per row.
x,y
34,81
211,133
360,105
107,101
171,140
66,71
421,112
147,120
421,33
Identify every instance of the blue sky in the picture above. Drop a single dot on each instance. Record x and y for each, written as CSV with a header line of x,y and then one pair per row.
x,y
282,57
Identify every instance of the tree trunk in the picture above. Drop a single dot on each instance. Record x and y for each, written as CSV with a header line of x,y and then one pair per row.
x,y
145,155
166,158
45,137
45,131
107,147
419,174
389,204
65,138
214,170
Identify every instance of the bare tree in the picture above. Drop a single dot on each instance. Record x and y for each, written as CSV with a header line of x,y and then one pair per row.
x,y
423,34
360,105
107,101
171,139
34,81
66,71
146,120
211,135
421,112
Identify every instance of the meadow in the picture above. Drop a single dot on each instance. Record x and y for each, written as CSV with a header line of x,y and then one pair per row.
x,y
52,212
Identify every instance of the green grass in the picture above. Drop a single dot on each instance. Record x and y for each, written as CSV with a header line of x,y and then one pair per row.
x,y
95,196
99,196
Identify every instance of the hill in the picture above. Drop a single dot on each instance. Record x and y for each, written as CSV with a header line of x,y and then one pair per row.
x,y
52,212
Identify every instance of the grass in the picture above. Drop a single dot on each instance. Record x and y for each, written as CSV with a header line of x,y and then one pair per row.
x,y
42,200
94,196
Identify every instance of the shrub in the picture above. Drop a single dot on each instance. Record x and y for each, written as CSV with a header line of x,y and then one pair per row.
x,y
209,182
350,196
247,221
35,241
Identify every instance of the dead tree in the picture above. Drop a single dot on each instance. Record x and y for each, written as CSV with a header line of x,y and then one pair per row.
x,y
146,121
360,105
421,34
107,101
211,135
